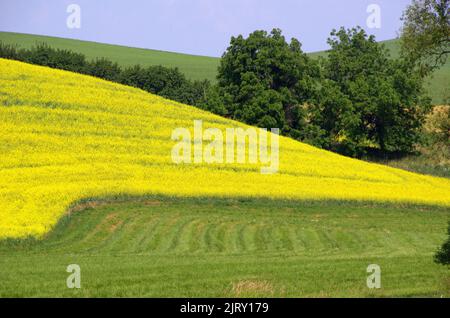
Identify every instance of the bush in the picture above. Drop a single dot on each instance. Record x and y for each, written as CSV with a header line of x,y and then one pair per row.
x,y
103,68
42,54
167,82
443,255
213,100
437,124
9,51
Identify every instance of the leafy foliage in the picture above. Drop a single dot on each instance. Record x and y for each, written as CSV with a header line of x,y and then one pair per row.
x,y
426,33
443,255
104,68
42,54
9,51
356,100
368,101
264,80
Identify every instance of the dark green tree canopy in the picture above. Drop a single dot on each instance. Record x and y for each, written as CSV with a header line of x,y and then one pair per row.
x,y
263,79
103,68
368,100
356,99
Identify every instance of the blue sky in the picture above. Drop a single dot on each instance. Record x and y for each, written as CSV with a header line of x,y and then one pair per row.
x,y
201,27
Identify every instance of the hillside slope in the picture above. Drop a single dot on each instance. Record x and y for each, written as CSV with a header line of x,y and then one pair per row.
x,y
66,136
195,67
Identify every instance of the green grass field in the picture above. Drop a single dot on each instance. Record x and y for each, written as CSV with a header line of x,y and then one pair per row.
x,y
195,67
165,247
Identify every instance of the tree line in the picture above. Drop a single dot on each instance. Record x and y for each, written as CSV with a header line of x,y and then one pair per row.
x,y
355,100
167,82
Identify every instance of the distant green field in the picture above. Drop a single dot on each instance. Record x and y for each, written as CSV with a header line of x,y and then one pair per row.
x,y
195,67
438,85
165,247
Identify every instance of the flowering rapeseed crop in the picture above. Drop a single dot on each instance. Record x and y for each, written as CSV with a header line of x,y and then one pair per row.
x,y
65,137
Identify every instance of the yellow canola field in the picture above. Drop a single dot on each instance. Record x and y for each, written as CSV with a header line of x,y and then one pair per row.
x,y
66,137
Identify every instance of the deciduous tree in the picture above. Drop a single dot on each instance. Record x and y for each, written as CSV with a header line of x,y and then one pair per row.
x,y
425,36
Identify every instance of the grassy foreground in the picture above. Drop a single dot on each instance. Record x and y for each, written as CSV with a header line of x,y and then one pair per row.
x,y
163,247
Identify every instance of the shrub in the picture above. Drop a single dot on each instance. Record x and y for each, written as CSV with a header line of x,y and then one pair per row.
x,y
9,51
42,54
443,255
103,68
437,124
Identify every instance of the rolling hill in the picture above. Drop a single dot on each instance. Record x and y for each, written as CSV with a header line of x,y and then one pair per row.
x,y
67,137
195,67
87,178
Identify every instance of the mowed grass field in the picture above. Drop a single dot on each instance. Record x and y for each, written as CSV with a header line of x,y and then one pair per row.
x,y
194,67
205,247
